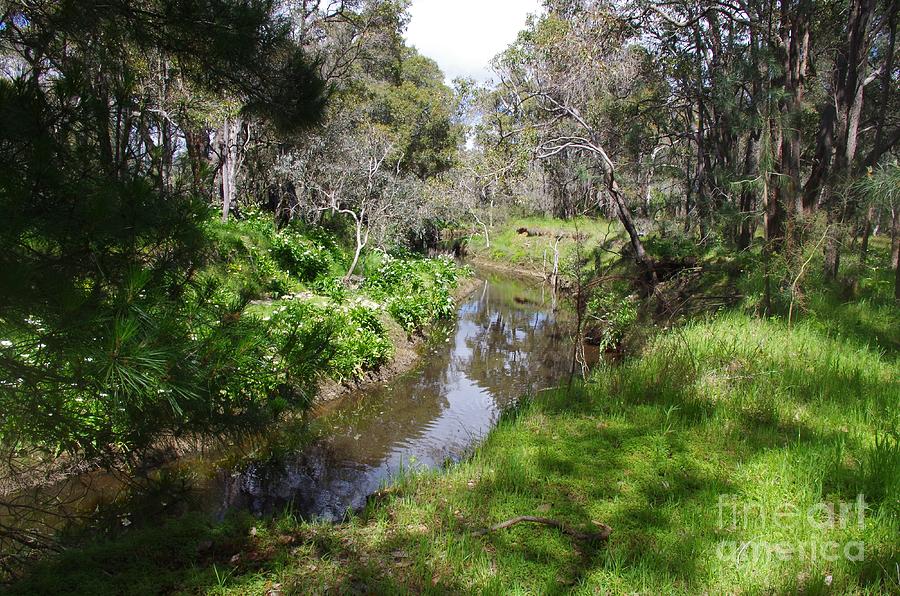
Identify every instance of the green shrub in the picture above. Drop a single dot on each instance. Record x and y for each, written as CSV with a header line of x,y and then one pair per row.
x,y
333,287
253,248
613,315
300,256
357,340
417,291
151,364
672,247
361,344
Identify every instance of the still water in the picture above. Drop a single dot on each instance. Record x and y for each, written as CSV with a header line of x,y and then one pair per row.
x,y
507,341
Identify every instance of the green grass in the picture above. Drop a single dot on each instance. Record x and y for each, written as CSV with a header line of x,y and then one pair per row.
x,y
732,407
859,308
725,431
536,252
863,309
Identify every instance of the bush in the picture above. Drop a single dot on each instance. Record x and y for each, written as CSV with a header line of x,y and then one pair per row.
x,y
356,339
417,291
613,316
333,287
270,258
673,247
300,256
361,344
149,364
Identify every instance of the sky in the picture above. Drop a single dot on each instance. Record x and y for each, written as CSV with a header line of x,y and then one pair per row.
x,y
463,35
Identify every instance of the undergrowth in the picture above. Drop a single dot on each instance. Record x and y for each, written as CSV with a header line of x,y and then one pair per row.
x,y
734,454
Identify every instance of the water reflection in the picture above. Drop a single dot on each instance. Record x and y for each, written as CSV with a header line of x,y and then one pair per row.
x,y
506,342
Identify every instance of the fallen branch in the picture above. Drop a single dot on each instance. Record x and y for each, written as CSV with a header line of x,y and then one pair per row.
x,y
600,536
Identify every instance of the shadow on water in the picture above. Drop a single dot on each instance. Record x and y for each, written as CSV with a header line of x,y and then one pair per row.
x,y
507,341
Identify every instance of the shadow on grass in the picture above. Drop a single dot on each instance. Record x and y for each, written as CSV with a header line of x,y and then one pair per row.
x,y
647,448
143,560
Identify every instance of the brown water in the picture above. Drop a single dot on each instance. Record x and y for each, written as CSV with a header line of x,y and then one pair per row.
x,y
506,342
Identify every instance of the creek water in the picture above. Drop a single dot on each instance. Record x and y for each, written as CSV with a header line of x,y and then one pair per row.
x,y
508,340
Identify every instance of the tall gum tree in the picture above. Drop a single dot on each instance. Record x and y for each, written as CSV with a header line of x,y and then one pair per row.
x,y
557,78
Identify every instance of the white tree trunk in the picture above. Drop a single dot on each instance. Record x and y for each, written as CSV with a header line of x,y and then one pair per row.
x,y
230,130
361,241
554,274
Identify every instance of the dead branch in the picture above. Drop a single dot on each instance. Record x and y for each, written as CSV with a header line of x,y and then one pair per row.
x,y
600,536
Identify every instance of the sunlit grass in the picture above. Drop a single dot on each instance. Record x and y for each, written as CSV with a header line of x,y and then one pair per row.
x,y
732,408
536,251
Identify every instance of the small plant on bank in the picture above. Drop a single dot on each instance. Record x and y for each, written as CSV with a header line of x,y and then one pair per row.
x,y
610,316
332,287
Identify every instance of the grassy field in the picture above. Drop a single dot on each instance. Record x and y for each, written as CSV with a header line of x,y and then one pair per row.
x,y
733,454
715,457
535,251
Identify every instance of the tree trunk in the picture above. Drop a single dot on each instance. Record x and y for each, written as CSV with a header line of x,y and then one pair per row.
x,y
640,254
848,98
227,169
231,162
687,208
822,160
554,273
867,231
792,47
895,237
197,145
774,218
832,251
487,236
897,283
646,169
747,225
361,240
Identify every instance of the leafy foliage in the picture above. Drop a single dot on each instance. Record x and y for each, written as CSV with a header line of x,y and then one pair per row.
x,y
613,316
305,254
357,339
148,364
111,339
418,110
261,258
417,291
673,246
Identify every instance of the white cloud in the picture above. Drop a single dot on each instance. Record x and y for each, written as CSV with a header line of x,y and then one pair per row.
x,y
463,35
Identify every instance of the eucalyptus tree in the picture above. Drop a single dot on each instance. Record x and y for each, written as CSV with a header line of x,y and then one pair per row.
x,y
558,80
470,193
711,62
337,37
786,100
860,123
880,188
364,185
391,125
